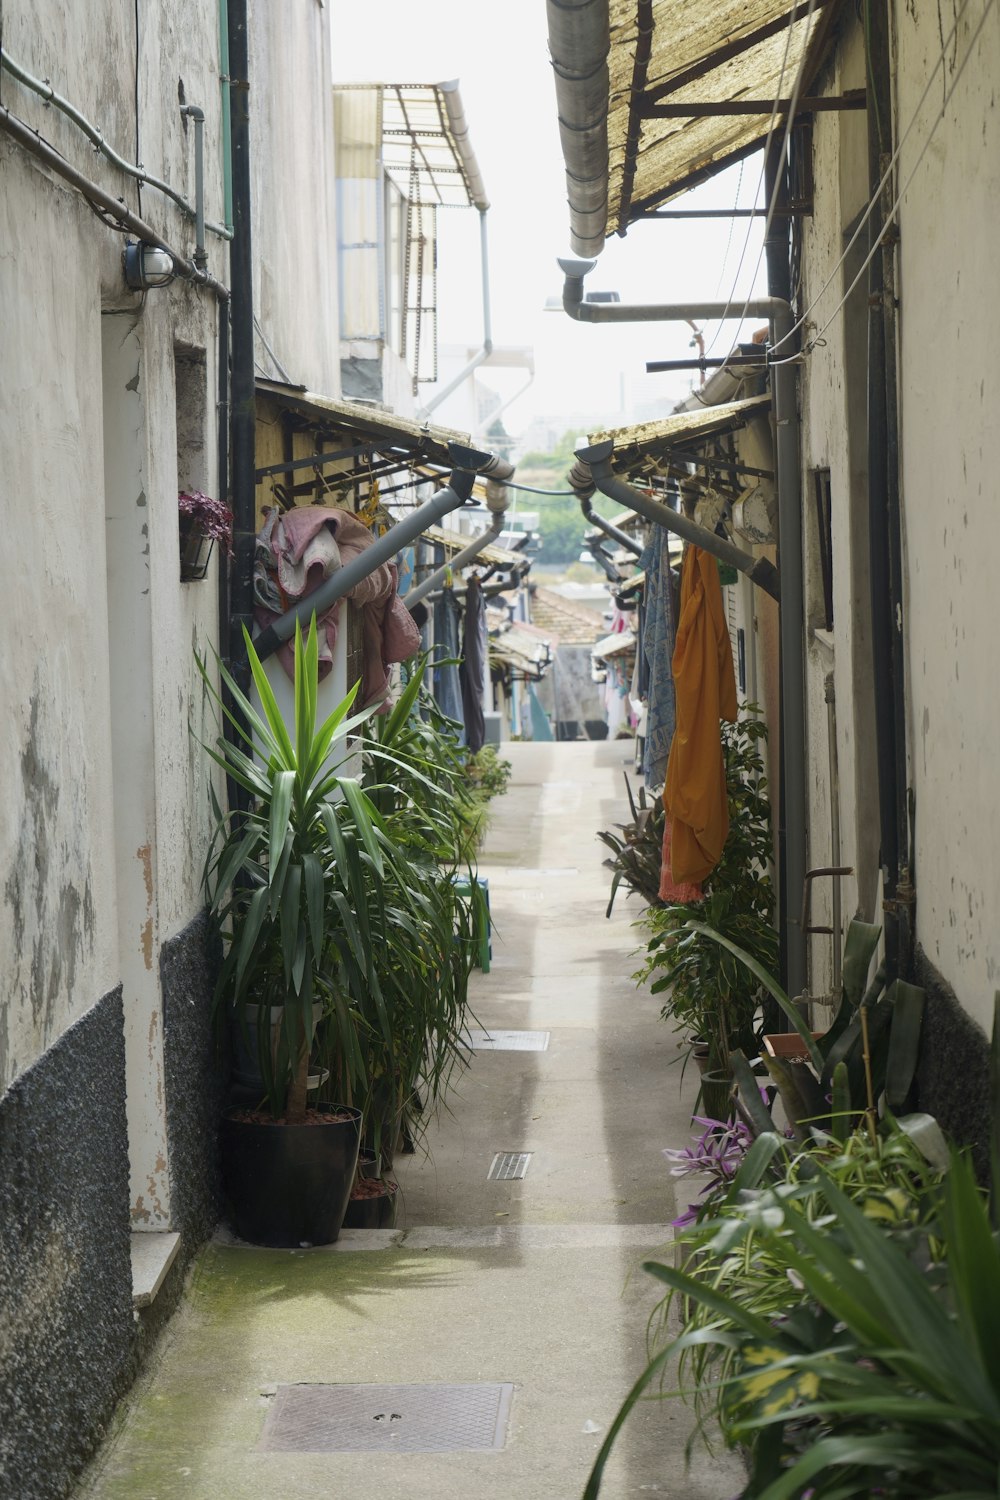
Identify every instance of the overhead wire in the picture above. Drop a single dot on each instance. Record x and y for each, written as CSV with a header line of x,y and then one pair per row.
x,y
789,122
816,338
760,180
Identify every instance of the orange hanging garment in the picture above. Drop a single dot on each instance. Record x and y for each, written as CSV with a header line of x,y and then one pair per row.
x,y
694,796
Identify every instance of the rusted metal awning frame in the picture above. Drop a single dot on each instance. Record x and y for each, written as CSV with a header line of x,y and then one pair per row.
x,y
656,102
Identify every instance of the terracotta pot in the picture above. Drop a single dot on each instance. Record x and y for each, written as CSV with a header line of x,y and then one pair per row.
x,y
788,1045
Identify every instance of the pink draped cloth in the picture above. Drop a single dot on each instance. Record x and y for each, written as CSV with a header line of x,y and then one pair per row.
x,y
309,544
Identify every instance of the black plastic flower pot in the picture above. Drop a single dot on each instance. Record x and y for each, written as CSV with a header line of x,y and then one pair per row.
x,y
716,1095
375,1212
289,1185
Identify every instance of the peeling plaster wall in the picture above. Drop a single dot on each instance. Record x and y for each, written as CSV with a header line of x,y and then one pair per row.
x,y
57,815
57,902
294,191
950,228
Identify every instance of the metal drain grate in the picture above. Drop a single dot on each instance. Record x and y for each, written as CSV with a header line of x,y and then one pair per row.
x,y
386,1418
509,1165
508,1041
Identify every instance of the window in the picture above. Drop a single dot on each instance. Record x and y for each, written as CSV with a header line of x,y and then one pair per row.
x,y
824,539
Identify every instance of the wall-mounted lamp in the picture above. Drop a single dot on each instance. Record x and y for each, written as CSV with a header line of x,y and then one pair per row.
x,y
147,266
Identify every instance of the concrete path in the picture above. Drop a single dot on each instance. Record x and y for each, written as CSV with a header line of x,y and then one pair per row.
x,y
532,1283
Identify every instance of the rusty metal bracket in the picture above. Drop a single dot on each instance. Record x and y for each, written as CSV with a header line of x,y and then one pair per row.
x,y
833,871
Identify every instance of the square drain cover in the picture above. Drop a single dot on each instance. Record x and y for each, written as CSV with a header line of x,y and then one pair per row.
x,y
508,1165
508,1041
386,1418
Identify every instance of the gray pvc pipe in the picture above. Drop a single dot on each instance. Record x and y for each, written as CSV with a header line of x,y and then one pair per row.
x,y
759,570
454,494
789,477
45,91
460,560
579,479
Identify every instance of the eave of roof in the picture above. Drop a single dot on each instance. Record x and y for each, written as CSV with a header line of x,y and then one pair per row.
x,y
635,446
385,430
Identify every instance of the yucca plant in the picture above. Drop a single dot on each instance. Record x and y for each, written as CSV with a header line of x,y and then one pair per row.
x,y
298,884
415,773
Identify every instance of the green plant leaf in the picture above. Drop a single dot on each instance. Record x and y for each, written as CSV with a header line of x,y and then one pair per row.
x,y
312,874
842,1111
904,1042
748,1086
928,1137
860,946
278,733
363,812
770,984
283,789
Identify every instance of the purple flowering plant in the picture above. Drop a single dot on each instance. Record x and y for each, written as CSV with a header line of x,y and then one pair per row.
x,y
213,518
716,1154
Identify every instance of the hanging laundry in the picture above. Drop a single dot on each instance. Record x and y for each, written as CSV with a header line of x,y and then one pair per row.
x,y
687,892
473,668
447,687
695,794
658,647
297,551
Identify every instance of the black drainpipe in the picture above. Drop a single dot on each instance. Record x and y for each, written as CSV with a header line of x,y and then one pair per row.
x,y
884,527
242,388
779,284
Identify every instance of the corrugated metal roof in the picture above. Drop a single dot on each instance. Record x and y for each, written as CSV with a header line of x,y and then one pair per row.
x,y
570,623
524,649
700,51
382,428
633,445
626,69
454,541
618,644
424,141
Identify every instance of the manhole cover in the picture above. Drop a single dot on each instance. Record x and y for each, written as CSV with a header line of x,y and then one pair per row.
x,y
508,1041
386,1418
508,1165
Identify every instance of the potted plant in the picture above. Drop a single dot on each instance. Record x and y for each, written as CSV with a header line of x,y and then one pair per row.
x,y
202,521
709,995
286,886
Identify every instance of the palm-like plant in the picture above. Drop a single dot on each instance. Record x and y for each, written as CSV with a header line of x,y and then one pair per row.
x,y
298,883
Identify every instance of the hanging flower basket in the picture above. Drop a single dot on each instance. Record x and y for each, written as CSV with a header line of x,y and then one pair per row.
x,y
202,522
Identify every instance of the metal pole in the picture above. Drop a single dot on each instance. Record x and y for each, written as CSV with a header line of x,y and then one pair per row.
x,y
760,570
454,494
243,392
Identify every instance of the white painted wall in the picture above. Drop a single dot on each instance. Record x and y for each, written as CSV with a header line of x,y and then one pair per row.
x,y
294,189
57,907
950,228
103,830
834,425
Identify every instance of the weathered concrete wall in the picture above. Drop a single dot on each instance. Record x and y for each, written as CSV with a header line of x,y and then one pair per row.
x,y
193,1079
834,438
950,227
66,1330
294,189
57,913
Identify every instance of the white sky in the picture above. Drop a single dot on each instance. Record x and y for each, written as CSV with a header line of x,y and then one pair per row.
x,y
499,54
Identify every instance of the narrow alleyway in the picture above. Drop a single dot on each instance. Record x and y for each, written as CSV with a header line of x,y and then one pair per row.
x,y
532,1283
